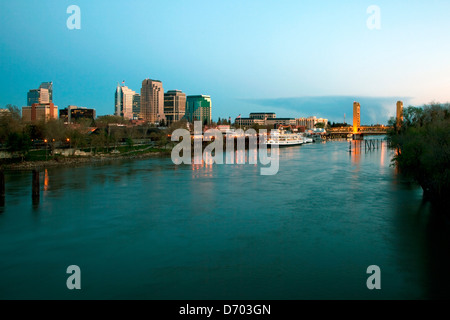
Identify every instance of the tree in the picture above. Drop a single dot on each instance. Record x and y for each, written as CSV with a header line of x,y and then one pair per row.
x,y
10,121
182,124
98,140
55,132
162,140
320,125
76,139
423,149
103,121
19,142
130,143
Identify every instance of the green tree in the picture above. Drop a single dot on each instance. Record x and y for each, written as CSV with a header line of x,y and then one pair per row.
x,y
76,138
182,124
19,142
423,148
320,125
55,133
130,143
98,141
104,121
10,121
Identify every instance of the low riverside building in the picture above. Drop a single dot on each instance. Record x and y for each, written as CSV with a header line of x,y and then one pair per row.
x,y
281,122
74,113
40,112
260,118
248,122
310,123
263,115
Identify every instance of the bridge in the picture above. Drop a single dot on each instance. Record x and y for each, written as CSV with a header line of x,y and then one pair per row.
x,y
343,132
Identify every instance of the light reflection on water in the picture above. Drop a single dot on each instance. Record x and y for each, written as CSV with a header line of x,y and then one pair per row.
x,y
150,229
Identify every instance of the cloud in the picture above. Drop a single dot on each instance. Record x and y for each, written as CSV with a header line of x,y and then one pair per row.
x,y
373,109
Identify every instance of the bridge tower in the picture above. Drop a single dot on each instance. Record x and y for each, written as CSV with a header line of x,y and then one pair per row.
x,y
399,113
356,116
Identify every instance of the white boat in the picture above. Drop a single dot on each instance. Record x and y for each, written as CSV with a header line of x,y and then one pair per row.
x,y
285,139
306,139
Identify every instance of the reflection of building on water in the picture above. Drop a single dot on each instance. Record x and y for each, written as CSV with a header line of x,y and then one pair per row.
x,y
356,149
383,154
46,180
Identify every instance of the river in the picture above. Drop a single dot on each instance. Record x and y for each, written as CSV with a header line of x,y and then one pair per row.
x,y
147,229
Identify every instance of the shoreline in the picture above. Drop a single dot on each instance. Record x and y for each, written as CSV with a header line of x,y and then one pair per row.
x,y
76,161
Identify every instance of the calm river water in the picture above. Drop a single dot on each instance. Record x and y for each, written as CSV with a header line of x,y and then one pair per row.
x,y
147,229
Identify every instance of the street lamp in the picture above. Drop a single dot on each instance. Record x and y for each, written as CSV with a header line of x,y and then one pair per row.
x,y
46,148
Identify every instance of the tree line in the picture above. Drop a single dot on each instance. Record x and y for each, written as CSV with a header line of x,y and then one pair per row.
x,y
102,134
422,144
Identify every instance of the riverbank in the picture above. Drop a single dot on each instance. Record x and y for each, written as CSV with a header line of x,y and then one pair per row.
x,y
79,161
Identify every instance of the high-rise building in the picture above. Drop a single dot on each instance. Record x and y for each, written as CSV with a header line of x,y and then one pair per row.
x,y
356,117
136,106
174,106
198,108
152,101
43,95
38,96
40,104
399,113
49,87
124,98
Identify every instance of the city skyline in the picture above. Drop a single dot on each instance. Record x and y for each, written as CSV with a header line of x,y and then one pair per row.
x,y
248,56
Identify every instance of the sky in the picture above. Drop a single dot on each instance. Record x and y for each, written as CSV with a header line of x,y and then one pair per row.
x,y
296,58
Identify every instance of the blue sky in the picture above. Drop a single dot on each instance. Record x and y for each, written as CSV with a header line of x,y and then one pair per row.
x,y
296,58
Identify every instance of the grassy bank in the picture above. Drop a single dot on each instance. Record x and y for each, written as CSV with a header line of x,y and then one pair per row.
x,y
37,159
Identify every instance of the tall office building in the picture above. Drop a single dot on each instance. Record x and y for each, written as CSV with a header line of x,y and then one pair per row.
x,y
38,96
49,87
42,95
356,116
124,98
136,106
152,101
399,113
198,108
174,106
40,104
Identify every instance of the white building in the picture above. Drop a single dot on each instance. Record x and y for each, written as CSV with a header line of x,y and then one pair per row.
x,y
310,123
124,98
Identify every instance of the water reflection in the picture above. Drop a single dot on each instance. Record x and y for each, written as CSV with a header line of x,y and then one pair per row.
x,y
226,227
46,180
355,152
